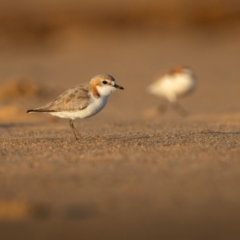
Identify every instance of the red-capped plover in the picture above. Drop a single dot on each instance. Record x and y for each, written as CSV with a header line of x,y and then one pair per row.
x,y
178,82
81,101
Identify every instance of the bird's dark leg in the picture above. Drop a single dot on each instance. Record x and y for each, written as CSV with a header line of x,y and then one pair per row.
x,y
75,131
181,111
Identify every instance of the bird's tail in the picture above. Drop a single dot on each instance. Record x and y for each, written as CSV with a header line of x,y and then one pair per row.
x,y
39,110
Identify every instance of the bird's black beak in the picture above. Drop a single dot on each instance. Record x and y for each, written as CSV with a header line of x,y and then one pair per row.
x,y
117,86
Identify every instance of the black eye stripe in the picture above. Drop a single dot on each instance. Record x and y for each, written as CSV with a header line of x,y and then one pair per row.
x,y
104,82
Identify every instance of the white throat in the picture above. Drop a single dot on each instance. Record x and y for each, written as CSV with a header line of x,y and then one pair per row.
x,y
105,90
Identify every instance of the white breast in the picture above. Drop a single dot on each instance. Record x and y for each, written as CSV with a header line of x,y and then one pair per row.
x,y
173,87
95,106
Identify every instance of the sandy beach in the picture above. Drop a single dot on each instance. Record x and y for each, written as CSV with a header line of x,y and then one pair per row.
x,y
134,174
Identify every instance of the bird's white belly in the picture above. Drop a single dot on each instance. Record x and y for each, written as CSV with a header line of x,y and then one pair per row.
x,y
174,88
93,108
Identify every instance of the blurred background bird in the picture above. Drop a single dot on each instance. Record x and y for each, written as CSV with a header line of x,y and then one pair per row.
x,y
178,82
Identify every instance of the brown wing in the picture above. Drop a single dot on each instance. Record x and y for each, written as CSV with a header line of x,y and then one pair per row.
x,y
76,98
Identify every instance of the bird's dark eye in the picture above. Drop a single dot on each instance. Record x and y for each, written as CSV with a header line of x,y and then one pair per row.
x,y
104,82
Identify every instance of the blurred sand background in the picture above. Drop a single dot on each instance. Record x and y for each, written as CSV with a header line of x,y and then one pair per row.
x,y
134,174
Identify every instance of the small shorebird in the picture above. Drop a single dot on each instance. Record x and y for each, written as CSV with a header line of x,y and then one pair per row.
x,y
178,82
81,101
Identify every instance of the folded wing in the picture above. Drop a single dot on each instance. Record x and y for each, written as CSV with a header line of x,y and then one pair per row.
x,y
74,99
